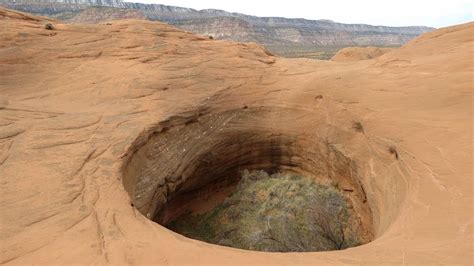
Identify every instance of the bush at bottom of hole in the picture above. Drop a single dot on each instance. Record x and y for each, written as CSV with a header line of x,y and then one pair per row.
x,y
277,213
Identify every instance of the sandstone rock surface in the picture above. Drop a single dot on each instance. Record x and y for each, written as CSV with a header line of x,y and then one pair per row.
x,y
350,54
97,118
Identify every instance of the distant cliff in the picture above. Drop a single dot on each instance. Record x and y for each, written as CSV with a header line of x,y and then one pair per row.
x,y
278,34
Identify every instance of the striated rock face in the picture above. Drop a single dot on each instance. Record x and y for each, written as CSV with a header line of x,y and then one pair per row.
x,y
278,34
101,14
322,33
104,127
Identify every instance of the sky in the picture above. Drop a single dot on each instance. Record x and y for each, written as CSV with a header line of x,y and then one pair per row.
x,y
434,13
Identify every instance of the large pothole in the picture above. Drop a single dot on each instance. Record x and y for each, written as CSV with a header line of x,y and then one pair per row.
x,y
188,167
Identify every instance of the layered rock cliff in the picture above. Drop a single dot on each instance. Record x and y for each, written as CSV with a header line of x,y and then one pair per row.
x,y
273,32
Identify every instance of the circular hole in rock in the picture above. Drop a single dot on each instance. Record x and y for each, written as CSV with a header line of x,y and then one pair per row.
x,y
223,180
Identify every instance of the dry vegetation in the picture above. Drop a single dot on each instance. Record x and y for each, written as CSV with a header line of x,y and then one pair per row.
x,y
277,213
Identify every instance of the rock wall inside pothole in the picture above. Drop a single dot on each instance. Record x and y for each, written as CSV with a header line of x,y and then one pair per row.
x,y
191,163
281,212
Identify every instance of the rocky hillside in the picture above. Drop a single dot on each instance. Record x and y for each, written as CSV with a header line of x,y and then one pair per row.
x,y
281,35
100,14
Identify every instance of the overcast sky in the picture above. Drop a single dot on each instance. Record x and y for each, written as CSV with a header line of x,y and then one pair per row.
x,y
435,13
